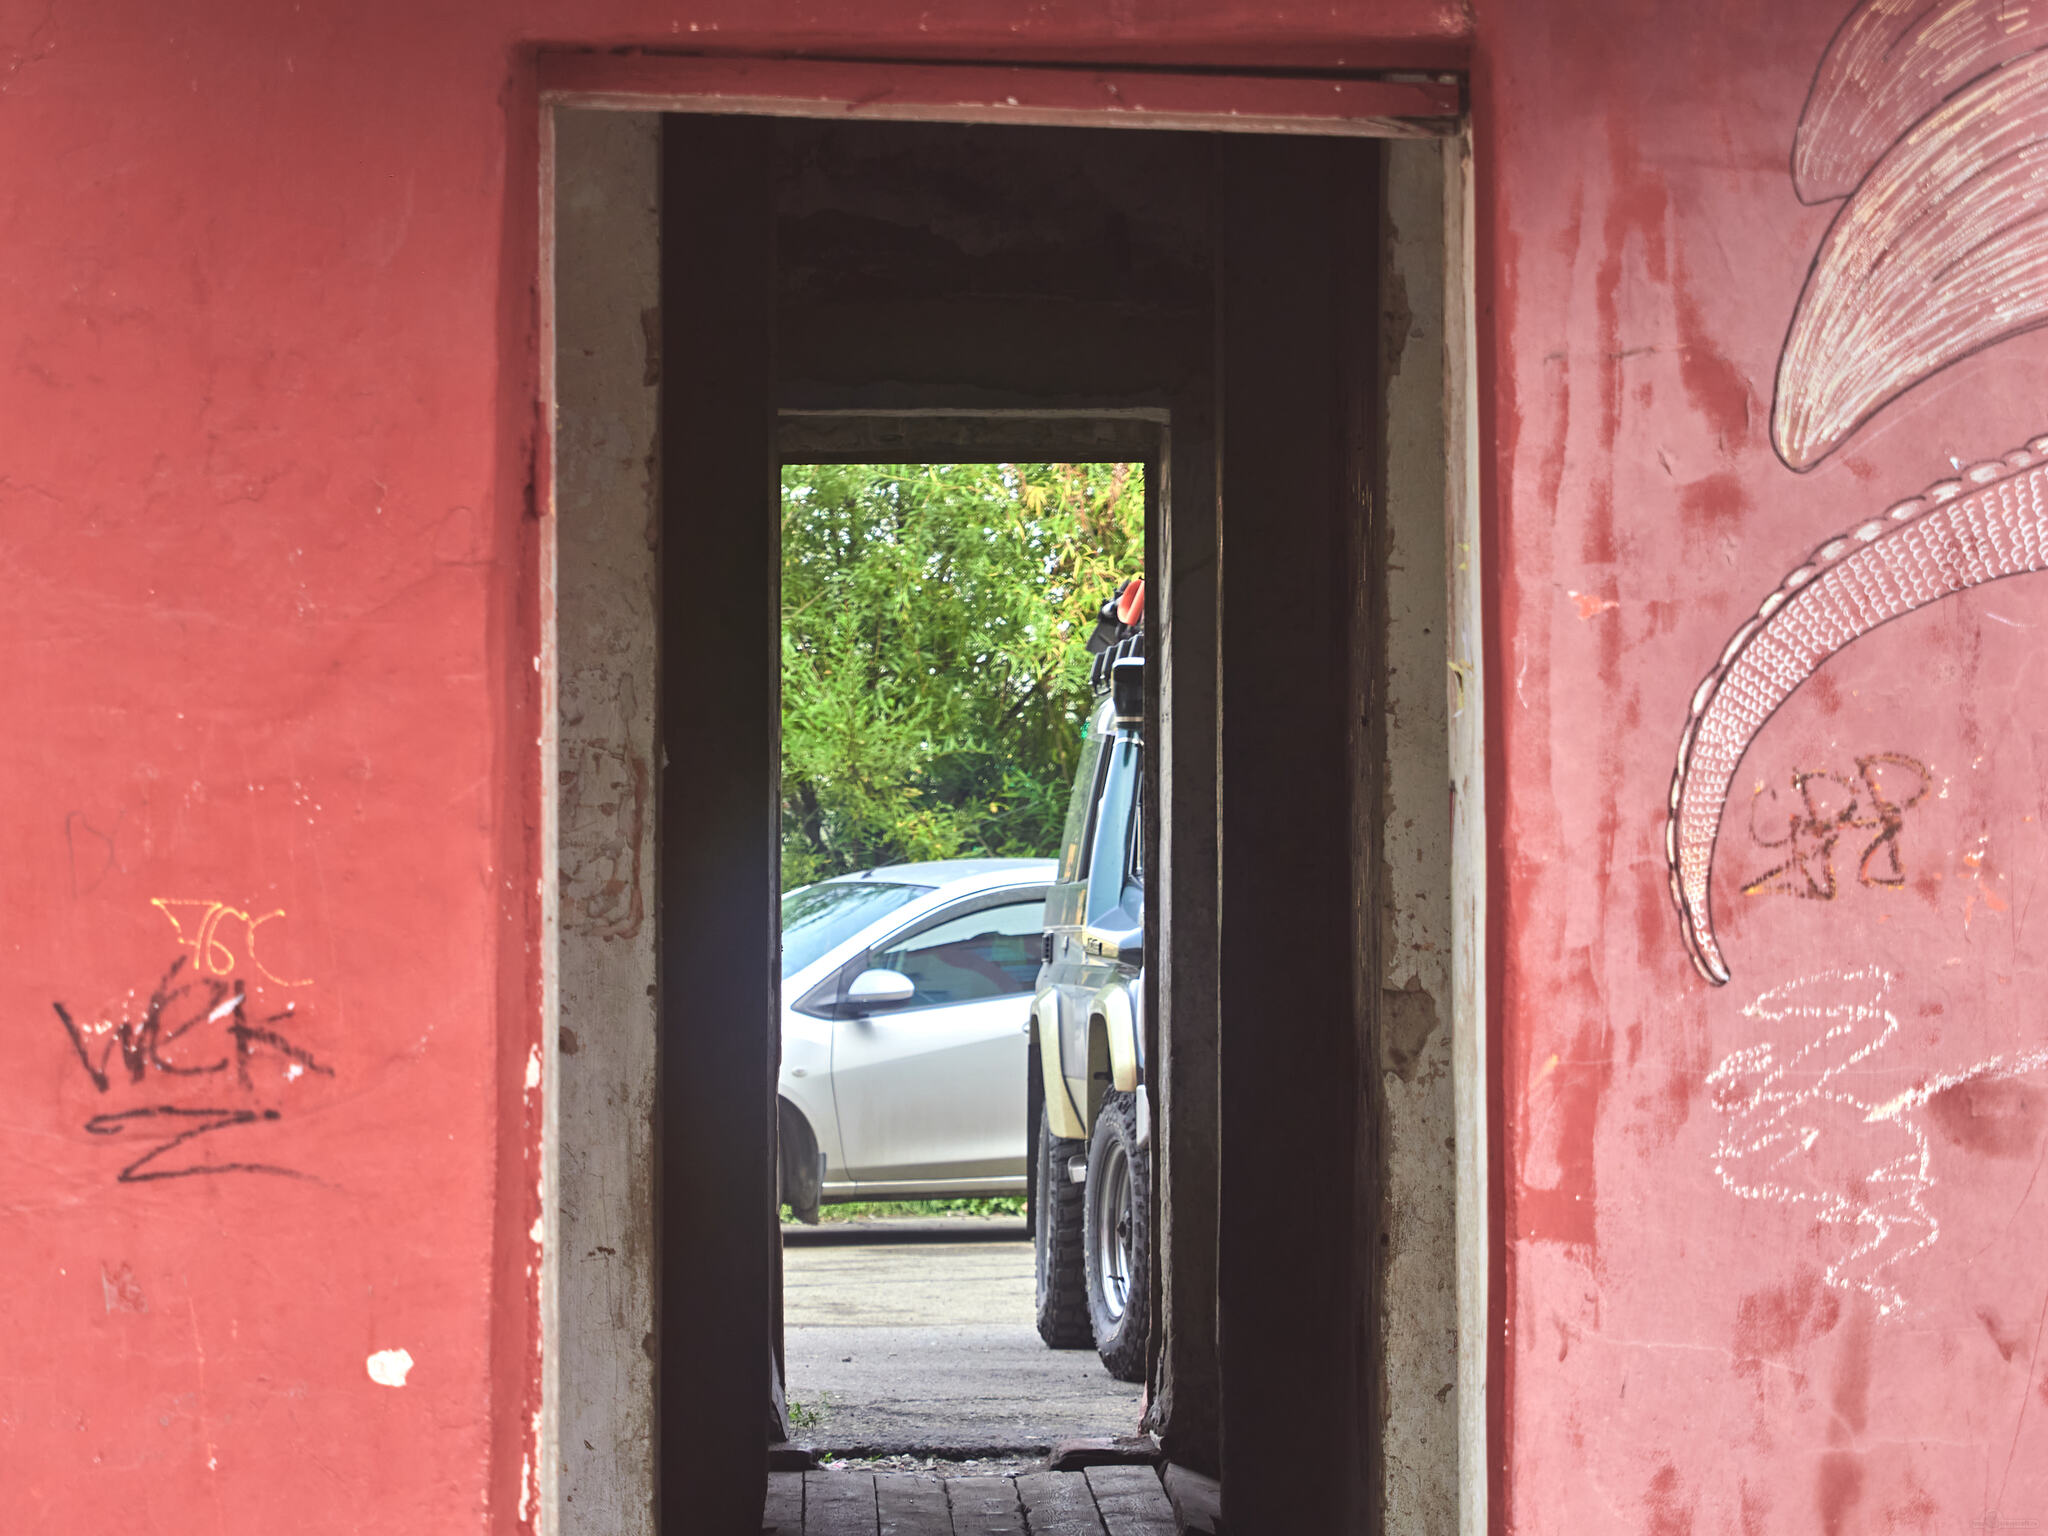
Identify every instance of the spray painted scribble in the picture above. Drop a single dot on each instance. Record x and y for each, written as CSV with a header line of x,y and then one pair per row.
x,y
195,1024
1800,1128
1827,804
199,1122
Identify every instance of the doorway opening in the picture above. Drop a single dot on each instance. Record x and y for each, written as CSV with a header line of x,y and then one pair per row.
x,y
893,293
936,711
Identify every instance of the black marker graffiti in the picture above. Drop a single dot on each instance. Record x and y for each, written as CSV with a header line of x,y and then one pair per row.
x,y
210,1120
1829,804
180,1005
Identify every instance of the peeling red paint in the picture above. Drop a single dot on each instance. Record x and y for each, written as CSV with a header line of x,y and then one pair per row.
x,y
1716,386
1774,1322
1838,1489
1826,691
1717,502
1670,1513
1850,1394
1992,1117
1570,1091
1754,1510
2007,1341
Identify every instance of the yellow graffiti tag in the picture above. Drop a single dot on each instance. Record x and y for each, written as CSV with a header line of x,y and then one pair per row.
x,y
198,925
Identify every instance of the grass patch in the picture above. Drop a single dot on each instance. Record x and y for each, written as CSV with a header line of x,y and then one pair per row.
x,y
809,1415
987,1205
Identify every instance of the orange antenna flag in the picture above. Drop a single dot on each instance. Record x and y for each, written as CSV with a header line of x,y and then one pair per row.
x,y
1130,603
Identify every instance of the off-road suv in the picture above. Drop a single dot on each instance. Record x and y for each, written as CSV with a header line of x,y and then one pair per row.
x,y
1091,1179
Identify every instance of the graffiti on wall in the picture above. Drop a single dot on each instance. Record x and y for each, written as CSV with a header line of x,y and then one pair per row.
x,y
1930,123
1805,1126
203,1024
221,937
1826,804
1794,1133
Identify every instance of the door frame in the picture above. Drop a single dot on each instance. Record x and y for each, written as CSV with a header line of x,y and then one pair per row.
x,y
1360,105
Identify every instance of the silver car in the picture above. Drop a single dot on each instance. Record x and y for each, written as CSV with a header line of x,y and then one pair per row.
x,y
906,1001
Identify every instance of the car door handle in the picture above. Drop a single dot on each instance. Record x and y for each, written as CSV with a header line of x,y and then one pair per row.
x,y
1126,946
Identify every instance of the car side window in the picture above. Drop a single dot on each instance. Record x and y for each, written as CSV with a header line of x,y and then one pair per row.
x,y
1078,837
990,953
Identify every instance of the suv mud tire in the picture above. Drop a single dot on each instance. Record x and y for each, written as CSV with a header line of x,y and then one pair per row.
x,y
1117,1238
1057,1234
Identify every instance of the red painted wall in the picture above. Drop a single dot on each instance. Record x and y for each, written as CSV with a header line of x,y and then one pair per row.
x,y
1776,1248
271,783
264,519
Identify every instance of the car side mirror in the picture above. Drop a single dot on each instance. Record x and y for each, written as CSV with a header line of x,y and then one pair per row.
x,y
873,991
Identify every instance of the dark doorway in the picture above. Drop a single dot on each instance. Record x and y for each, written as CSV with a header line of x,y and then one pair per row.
x,y
912,288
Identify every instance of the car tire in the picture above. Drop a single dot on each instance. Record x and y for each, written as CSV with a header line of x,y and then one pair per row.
x,y
1062,1282
1117,1238
797,1182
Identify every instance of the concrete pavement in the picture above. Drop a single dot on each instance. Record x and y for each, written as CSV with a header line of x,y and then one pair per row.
x,y
908,1336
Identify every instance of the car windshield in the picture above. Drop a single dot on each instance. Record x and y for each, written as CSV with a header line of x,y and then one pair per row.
x,y
817,917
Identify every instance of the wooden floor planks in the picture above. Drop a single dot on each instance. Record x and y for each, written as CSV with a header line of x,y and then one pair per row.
x,y
839,1504
1132,1501
985,1506
784,1513
1058,1504
1103,1501
912,1506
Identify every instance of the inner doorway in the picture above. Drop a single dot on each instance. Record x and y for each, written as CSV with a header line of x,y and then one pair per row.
x,y
939,725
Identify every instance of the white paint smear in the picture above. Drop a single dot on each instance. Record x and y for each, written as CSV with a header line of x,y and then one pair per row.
x,y
1798,1131
388,1367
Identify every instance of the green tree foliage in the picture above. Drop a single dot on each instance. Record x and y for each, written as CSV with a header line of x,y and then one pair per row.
x,y
934,671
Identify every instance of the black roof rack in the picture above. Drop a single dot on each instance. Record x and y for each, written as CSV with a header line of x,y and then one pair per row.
x,y
1130,647
1114,640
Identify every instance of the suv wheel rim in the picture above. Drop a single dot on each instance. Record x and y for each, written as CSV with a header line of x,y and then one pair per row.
x,y
1113,1232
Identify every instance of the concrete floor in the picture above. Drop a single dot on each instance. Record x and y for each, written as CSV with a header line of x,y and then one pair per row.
x,y
911,1336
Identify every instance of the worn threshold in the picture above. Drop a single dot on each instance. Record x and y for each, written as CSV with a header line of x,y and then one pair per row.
x,y
1101,1501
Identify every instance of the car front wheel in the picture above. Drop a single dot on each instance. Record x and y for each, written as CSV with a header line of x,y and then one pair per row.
x,y
1117,1242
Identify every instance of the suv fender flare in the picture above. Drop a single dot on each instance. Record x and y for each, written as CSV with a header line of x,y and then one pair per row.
x,y
1065,1117
1112,1005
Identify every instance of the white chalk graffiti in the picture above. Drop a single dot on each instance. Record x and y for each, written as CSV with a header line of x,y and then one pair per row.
x,y
1795,1134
